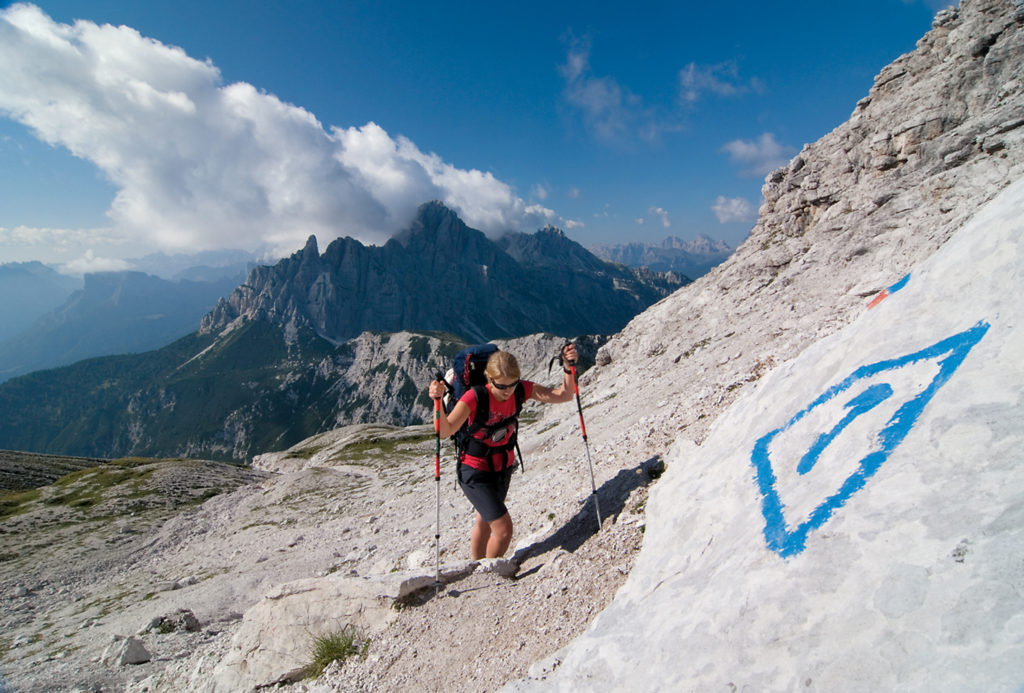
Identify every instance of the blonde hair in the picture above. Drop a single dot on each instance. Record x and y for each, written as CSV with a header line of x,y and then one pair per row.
x,y
502,364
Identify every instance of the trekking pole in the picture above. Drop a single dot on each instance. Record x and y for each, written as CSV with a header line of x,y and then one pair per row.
x,y
586,445
437,482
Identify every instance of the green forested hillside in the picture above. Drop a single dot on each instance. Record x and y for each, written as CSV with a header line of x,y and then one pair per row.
x,y
251,389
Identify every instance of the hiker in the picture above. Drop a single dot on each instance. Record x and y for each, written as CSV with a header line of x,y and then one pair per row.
x,y
485,468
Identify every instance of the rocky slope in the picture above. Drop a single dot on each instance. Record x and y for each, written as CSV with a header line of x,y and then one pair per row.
x,y
854,521
940,133
354,505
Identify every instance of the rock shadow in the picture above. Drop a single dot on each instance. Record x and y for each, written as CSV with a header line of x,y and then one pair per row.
x,y
612,496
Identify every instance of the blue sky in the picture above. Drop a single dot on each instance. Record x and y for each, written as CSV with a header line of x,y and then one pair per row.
x,y
129,127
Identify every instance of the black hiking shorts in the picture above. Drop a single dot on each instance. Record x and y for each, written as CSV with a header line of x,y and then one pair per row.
x,y
486,490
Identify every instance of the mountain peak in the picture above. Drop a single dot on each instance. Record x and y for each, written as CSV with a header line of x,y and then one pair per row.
x,y
433,220
311,246
434,213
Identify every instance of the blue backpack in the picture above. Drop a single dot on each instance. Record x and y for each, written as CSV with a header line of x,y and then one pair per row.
x,y
468,373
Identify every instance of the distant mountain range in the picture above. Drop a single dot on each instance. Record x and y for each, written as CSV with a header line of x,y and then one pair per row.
x,y
29,290
113,313
318,341
692,259
205,265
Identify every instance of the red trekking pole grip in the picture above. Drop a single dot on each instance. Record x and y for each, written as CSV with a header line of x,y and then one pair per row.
x,y
437,436
576,389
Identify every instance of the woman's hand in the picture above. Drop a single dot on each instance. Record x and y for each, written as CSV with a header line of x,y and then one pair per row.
x,y
437,389
569,356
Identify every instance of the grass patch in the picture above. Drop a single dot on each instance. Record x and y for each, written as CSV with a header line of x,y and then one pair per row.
x,y
306,453
105,606
207,495
336,647
88,487
381,448
547,428
16,502
129,462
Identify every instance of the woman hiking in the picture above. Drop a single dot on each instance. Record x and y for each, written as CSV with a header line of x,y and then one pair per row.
x,y
485,467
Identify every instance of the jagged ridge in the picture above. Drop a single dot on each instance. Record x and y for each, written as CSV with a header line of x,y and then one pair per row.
x,y
440,274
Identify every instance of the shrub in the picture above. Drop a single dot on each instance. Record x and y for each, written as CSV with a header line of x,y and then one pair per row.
x,y
336,647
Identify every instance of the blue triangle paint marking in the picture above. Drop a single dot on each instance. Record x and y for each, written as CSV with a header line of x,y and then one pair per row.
x,y
786,541
861,404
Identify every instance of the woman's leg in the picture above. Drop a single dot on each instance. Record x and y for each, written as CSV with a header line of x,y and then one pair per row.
x,y
487,493
479,538
501,536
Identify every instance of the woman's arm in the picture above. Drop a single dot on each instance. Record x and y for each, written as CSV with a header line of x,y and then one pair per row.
x,y
453,422
564,392
460,412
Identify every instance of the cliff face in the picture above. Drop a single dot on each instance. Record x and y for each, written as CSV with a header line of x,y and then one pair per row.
x,y
940,133
442,275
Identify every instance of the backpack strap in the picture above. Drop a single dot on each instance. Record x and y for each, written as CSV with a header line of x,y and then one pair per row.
x,y
473,446
520,395
483,408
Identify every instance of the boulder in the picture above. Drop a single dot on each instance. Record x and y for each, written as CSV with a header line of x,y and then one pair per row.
x,y
276,635
125,651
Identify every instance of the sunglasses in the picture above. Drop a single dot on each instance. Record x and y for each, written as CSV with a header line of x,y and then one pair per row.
x,y
504,387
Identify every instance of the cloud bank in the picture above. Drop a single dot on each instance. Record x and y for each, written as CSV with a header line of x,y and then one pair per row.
x,y
202,165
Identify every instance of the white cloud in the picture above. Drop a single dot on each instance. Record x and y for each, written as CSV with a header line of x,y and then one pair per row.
x,y
540,192
660,214
602,102
758,157
609,110
722,79
57,241
199,164
89,263
733,209
575,193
